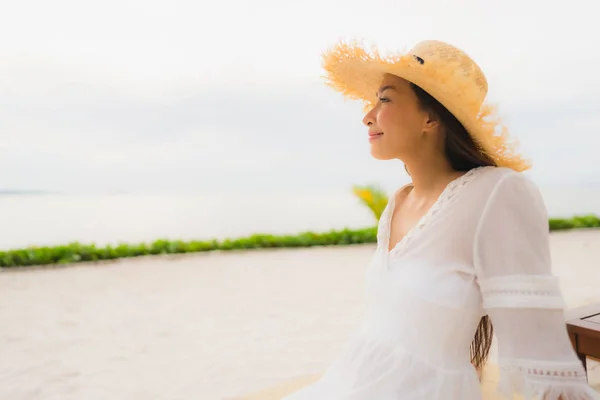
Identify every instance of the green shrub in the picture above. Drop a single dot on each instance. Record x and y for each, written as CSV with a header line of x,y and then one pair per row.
x,y
76,252
584,221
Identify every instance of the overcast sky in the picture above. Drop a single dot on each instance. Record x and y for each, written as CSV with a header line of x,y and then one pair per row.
x,y
170,95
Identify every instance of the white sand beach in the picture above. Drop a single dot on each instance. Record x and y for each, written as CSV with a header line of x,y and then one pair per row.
x,y
205,326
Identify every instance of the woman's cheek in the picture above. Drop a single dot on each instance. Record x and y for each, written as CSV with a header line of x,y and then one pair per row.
x,y
383,118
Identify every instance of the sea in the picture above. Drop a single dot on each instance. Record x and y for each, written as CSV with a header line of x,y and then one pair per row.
x,y
54,219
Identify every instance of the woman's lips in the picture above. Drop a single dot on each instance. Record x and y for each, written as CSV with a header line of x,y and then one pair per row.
x,y
375,135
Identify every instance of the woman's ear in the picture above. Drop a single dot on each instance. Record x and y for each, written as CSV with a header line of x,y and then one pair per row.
x,y
431,123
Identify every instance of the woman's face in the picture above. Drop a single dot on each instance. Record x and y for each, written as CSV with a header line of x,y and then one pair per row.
x,y
396,123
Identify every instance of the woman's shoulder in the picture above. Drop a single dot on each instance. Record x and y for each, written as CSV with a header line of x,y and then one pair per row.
x,y
505,185
495,178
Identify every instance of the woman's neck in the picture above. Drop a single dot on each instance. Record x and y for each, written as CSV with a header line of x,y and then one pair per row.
x,y
429,177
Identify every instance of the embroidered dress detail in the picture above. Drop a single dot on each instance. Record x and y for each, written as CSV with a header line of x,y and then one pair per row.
x,y
516,291
446,197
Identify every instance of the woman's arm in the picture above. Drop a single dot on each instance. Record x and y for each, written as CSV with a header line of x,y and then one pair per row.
x,y
523,298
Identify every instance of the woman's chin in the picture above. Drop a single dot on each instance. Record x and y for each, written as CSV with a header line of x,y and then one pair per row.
x,y
379,155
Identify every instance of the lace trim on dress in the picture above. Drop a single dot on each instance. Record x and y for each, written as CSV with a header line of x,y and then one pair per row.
x,y
545,380
522,291
446,197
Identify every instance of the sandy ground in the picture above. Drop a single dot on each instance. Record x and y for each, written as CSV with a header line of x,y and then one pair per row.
x,y
207,326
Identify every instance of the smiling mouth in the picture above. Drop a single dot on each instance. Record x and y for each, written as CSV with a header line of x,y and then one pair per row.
x,y
373,136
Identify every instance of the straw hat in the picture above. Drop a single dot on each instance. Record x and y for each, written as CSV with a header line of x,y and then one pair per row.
x,y
443,71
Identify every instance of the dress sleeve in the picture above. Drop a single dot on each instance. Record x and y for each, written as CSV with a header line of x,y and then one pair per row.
x,y
523,297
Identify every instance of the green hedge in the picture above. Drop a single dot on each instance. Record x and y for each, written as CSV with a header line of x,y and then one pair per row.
x,y
76,252
578,222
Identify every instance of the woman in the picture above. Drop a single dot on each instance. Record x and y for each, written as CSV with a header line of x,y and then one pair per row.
x,y
461,248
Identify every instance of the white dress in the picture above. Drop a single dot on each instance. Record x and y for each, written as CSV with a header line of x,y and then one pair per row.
x,y
481,249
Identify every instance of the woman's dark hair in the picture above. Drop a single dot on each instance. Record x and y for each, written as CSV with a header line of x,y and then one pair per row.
x,y
462,152
464,155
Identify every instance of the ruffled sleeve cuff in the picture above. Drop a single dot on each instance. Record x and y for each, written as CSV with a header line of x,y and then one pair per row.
x,y
545,380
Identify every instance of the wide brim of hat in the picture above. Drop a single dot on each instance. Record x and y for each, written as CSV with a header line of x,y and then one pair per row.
x,y
358,73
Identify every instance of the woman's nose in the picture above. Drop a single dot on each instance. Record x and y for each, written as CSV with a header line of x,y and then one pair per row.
x,y
369,118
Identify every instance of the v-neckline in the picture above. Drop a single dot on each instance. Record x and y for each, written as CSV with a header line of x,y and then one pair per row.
x,y
423,221
390,218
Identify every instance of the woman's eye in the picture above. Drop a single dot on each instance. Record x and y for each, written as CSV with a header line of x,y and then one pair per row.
x,y
384,99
